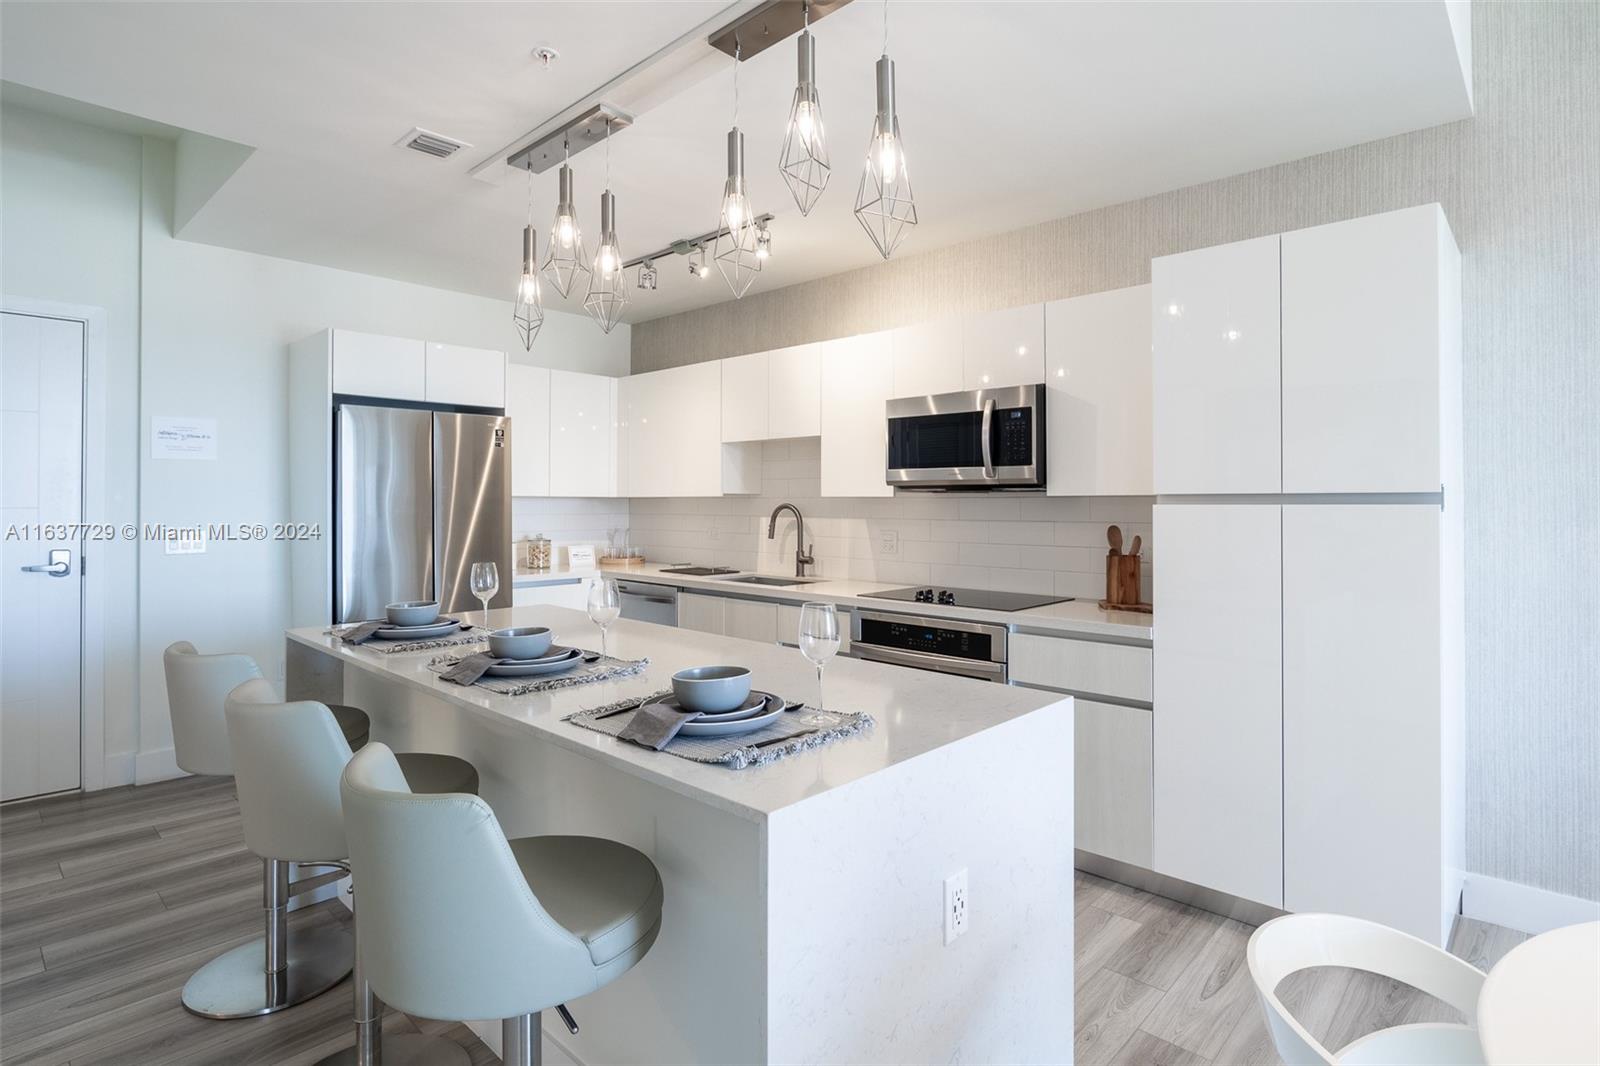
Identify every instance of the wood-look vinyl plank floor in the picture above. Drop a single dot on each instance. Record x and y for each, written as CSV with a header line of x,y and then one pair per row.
x,y
110,901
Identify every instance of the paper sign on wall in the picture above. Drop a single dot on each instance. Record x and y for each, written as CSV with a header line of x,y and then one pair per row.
x,y
183,438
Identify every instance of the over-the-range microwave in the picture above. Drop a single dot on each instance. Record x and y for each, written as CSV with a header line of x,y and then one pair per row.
x,y
968,441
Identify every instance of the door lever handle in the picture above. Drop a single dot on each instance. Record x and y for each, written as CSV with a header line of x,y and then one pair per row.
x,y
60,564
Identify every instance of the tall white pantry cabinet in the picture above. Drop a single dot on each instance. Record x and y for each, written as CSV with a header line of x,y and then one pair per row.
x,y
1309,671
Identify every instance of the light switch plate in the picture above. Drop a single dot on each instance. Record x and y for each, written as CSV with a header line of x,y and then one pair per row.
x,y
888,541
186,540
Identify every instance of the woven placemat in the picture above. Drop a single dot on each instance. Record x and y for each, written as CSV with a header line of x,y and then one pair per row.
x,y
794,731
606,669
467,634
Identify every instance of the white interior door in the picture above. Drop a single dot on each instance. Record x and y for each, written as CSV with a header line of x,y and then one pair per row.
x,y
40,494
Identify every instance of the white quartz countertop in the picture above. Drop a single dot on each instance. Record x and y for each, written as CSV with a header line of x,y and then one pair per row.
x,y
916,711
1074,617
556,575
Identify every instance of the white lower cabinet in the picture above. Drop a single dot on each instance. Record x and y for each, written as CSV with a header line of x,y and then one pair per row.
x,y
1371,759
574,594
728,616
700,612
1218,730
1114,781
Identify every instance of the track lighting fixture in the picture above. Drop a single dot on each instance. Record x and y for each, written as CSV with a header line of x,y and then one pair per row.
x,y
647,275
763,242
885,206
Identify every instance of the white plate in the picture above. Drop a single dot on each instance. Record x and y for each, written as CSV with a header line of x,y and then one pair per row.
x,y
702,728
432,629
550,664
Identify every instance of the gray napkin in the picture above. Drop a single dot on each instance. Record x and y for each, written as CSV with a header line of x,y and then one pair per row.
x,y
360,634
654,724
470,669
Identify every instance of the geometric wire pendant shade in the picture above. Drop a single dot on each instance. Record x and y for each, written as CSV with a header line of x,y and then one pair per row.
x,y
565,263
608,290
736,251
528,312
885,206
804,159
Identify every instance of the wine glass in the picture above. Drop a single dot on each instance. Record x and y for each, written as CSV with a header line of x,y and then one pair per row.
x,y
819,637
605,603
485,583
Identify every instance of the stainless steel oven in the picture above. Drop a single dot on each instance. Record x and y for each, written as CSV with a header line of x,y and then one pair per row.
x,y
984,439
944,645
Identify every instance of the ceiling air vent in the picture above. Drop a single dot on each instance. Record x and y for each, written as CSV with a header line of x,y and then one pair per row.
x,y
429,143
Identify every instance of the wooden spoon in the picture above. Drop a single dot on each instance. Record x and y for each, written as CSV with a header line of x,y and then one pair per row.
x,y
1114,538
1135,549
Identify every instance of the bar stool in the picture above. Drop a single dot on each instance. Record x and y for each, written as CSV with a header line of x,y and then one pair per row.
x,y
264,975
459,922
288,759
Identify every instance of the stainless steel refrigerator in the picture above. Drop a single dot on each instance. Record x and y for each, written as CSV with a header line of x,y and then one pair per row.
x,y
419,496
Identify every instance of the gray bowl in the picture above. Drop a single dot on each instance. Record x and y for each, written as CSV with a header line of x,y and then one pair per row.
x,y
412,613
711,688
520,642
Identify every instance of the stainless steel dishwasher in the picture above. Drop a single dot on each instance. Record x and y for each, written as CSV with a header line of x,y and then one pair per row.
x,y
649,603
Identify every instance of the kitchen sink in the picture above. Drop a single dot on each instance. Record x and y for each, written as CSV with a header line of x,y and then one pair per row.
x,y
775,582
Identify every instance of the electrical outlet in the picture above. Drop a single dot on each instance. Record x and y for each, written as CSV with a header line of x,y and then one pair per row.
x,y
888,541
955,905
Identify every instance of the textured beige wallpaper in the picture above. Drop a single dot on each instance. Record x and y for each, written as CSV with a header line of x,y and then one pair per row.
x,y
1521,186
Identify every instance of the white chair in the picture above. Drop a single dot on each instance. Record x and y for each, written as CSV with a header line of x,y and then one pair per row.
x,y
237,984
1298,942
288,758
460,923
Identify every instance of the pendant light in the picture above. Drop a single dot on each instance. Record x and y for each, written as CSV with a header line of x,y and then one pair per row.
x,y
528,312
804,159
735,249
565,263
608,289
884,203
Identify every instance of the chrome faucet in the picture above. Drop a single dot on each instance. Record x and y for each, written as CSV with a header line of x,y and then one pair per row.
x,y
802,550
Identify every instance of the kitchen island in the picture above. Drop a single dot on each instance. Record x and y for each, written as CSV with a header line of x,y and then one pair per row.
x,y
804,910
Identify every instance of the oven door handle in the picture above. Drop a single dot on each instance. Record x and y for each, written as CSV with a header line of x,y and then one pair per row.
x,y
984,671
988,452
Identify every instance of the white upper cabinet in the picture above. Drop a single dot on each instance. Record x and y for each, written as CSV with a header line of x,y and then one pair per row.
x,y
1216,369
581,434
745,396
674,431
456,374
528,405
390,368
857,381
1001,348
1097,402
1371,322
927,358
1218,718
794,392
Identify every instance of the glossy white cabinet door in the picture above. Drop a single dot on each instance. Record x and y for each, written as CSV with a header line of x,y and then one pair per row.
x,y
675,432
1112,753
1362,723
621,398
1003,347
473,376
580,434
857,378
1216,371
1097,399
390,368
794,392
1218,699
1370,310
745,396
528,405
927,358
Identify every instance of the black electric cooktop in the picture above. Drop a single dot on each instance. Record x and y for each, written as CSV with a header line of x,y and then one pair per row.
x,y
978,598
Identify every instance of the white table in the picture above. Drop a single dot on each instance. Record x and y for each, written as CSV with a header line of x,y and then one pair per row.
x,y
1541,1003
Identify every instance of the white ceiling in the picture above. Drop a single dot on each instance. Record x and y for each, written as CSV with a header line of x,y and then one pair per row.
x,y
1012,113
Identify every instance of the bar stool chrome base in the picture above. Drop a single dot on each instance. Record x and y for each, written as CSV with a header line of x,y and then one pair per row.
x,y
236,984
274,972
406,1049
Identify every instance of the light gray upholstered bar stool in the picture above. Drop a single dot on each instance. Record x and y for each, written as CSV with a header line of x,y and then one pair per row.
x,y
460,923
269,974
288,758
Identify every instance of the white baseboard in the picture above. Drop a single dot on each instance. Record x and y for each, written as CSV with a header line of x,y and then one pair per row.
x,y
1523,907
158,765
119,769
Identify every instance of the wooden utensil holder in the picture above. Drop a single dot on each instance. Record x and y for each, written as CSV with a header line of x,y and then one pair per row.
x,y
1122,581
